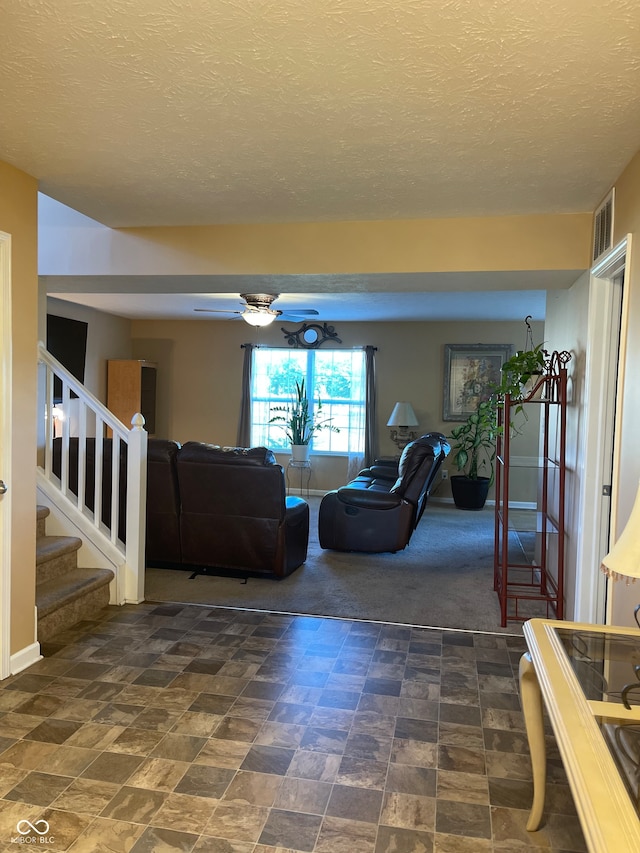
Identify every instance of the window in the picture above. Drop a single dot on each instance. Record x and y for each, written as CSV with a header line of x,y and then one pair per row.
x,y
337,377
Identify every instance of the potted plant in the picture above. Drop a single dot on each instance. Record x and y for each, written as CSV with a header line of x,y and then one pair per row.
x,y
473,451
299,423
521,379
521,372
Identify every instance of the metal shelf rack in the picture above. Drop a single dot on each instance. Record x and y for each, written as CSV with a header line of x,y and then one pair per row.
x,y
529,544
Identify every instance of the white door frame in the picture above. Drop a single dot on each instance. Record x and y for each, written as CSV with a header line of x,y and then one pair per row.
x,y
5,453
608,308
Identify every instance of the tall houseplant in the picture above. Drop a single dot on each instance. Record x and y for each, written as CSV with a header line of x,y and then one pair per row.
x,y
473,451
299,424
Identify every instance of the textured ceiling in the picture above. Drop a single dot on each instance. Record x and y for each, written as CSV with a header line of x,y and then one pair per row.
x,y
144,112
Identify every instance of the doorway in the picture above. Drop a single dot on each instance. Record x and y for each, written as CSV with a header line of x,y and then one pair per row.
x,y
606,340
5,454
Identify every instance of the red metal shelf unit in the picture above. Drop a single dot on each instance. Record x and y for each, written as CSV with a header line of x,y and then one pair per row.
x,y
533,584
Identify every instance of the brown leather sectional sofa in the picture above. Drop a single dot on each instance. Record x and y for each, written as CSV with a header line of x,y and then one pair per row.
x,y
209,508
222,508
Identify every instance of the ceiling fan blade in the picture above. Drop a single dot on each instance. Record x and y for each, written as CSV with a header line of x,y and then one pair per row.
x,y
294,314
217,311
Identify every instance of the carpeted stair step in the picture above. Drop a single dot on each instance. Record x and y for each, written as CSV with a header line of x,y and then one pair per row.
x,y
42,513
55,556
66,599
65,594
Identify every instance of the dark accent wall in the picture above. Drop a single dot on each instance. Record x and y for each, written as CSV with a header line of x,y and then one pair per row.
x,y
67,341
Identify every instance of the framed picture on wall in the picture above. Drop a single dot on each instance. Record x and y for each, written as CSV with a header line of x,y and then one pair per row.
x,y
470,372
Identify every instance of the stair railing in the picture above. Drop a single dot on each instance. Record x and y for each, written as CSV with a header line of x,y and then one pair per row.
x,y
98,466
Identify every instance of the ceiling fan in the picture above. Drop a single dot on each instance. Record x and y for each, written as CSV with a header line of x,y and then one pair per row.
x,y
258,310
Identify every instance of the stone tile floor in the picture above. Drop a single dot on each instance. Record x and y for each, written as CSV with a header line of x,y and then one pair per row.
x,y
189,728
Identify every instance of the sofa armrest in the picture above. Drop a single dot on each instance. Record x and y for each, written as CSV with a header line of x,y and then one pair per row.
x,y
296,532
368,498
383,472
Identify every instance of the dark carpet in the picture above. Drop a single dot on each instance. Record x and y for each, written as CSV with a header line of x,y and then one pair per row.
x,y
442,579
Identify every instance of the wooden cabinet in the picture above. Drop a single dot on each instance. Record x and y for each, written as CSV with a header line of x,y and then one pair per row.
x,y
529,578
131,388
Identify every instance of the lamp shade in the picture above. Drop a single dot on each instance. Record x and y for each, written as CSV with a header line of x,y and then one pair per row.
x,y
402,415
259,318
623,560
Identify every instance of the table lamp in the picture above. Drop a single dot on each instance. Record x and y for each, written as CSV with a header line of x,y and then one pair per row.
x,y
402,417
623,560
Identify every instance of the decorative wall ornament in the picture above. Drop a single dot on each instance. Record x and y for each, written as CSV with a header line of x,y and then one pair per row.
x,y
310,335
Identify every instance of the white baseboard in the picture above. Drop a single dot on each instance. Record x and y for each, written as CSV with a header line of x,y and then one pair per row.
x,y
434,499
24,658
512,504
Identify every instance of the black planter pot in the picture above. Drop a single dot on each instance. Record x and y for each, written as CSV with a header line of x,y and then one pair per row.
x,y
468,493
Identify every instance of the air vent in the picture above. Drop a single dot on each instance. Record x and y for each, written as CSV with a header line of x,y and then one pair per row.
x,y
603,227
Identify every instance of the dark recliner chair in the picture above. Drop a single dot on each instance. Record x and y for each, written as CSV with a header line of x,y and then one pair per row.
x,y
374,513
235,514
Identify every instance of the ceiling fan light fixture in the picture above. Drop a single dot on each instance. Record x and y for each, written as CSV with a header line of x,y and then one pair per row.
x,y
259,317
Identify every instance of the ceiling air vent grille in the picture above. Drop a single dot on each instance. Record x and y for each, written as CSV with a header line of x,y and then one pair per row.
x,y
603,227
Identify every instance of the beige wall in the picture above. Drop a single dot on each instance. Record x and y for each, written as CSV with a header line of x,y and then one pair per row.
x,y
627,221
18,217
566,329
200,374
554,242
